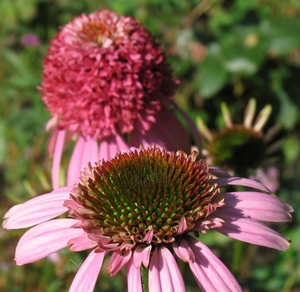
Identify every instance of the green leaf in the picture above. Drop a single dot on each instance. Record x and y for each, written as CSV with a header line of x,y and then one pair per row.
x,y
8,14
282,34
291,148
244,50
213,76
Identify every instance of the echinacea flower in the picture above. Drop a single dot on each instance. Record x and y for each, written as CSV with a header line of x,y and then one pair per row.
x,y
106,83
240,148
145,208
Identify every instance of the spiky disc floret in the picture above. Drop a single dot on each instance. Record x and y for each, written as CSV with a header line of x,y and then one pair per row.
x,y
145,191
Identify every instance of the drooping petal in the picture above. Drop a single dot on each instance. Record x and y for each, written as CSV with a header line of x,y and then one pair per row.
x,y
166,132
87,275
121,144
183,251
255,205
148,236
141,255
117,261
209,272
252,231
80,243
208,223
57,153
104,150
37,210
237,181
45,239
74,167
53,137
90,153
86,150
164,274
109,146
134,283
218,172
182,226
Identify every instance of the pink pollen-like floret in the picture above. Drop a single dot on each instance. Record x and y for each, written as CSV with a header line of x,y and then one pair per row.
x,y
102,73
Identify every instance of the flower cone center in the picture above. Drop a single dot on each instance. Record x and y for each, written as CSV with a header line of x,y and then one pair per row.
x,y
144,190
237,148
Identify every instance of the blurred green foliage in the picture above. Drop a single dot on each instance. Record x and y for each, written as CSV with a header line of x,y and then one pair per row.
x,y
221,51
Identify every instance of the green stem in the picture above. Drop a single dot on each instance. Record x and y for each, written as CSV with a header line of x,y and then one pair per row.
x,y
292,278
237,256
144,278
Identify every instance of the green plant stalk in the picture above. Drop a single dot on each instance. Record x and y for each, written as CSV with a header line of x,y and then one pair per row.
x,y
144,279
237,257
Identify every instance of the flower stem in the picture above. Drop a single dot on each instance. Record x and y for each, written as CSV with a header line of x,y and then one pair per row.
x,y
237,256
144,278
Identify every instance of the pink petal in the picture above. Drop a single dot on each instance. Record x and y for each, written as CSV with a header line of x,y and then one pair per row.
x,y
86,150
252,231
164,275
219,172
104,152
57,153
182,226
268,177
148,236
83,242
90,153
237,181
45,239
121,144
134,283
87,275
257,206
71,205
183,251
37,210
141,255
53,137
209,272
74,167
117,261
110,146
166,132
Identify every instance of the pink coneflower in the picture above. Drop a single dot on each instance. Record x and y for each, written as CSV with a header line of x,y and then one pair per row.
x,y
145,208
106,80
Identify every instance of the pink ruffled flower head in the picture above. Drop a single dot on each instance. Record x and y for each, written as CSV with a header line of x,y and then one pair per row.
x,y
105,78
141,207
104,72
